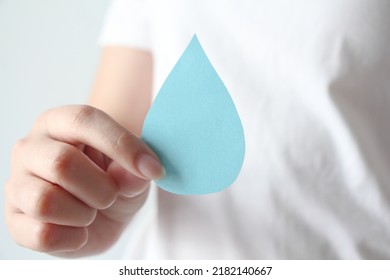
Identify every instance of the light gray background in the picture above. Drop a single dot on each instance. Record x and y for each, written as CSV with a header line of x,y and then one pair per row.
x,y
48,56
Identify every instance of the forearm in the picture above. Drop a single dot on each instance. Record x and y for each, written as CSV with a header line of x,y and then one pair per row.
x,y
123,86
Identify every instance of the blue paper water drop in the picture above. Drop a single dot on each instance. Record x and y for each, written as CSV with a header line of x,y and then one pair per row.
x,y
194,128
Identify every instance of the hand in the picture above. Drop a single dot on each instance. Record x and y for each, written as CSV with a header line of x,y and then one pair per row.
x,y
76,180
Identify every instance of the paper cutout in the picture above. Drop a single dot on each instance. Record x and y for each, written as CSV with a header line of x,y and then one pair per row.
x,y
194,128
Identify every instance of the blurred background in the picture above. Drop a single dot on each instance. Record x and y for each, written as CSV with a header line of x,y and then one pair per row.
x,y
48,55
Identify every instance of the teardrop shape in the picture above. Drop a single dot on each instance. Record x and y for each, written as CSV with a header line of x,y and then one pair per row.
x,y
194,128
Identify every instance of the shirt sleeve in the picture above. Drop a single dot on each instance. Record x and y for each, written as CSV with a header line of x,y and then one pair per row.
x,y
126,23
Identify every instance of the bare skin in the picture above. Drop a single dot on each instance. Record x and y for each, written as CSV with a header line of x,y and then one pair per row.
x,y
82,172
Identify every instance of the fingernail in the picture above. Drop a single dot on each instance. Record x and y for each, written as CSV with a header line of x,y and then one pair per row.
x,y
150,167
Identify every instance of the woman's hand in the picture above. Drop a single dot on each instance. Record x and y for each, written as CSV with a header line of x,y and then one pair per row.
x,y
76,181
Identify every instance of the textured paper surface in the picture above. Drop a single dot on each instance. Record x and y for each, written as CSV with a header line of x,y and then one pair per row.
x,y
194,128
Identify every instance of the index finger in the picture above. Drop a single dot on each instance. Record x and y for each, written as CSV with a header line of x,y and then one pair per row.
x,y
83,124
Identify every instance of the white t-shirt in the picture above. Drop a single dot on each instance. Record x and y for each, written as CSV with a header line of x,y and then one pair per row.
x,y
311,83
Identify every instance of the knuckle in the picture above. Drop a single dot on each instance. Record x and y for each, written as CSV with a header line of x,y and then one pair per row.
x,y
42,118
19,147
62,161
121,139
10,218
8,188
84,114
52,238
43,205
46,237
